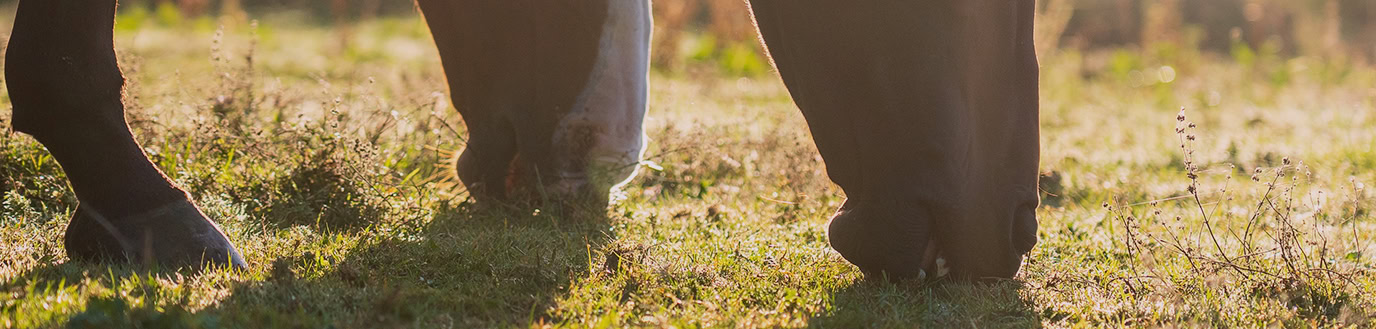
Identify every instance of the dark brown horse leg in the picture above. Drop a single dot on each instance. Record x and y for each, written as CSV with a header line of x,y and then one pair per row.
x,y
926,115
66,88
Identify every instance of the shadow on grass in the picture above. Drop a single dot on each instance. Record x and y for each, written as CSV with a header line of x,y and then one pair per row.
x,y
932,305
470,268
101,310
465,268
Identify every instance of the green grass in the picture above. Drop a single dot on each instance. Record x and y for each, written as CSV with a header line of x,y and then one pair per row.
x,y
323,161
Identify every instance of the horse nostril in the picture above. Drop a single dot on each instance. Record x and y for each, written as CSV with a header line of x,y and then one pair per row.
x,y
882,243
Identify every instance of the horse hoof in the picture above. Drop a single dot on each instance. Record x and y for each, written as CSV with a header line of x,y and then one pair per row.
x,y
87,241
176,235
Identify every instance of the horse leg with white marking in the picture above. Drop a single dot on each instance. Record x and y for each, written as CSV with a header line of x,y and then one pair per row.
x,y
553,93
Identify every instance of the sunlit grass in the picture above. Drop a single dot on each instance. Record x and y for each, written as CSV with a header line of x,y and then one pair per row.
x,y
322,160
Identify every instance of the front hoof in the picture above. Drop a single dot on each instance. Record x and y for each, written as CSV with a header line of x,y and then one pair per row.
x,y
885,242
176,235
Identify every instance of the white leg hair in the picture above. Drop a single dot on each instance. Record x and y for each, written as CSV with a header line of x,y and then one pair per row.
x,y
607,120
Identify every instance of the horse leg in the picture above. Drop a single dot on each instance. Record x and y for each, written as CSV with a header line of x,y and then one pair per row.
x,y
553,94
67,90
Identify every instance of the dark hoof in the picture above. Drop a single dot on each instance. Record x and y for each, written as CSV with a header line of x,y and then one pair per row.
x,y
177,235
87,241
892,243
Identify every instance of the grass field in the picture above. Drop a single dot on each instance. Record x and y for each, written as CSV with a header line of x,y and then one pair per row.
x,y
323,159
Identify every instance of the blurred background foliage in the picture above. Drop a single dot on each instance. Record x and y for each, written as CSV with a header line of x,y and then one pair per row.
x,y
719,33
